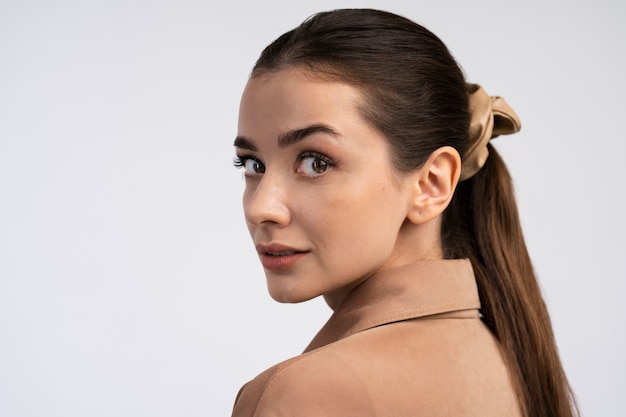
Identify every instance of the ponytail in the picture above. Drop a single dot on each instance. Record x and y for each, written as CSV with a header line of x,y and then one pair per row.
x,y
482,224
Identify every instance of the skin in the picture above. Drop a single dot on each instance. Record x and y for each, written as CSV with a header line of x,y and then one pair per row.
x,y
319,181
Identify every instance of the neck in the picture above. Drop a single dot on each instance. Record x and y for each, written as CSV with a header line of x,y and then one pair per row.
x,y
415,243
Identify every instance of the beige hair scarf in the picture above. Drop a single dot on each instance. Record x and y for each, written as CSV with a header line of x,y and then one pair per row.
x,y
491,117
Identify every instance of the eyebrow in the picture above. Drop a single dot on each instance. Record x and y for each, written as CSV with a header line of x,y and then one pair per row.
x,y
288,138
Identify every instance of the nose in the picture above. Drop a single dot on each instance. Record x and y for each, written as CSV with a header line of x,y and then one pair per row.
x,y
265,203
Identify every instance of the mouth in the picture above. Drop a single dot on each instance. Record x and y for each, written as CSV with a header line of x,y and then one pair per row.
x,y
279,257
283,253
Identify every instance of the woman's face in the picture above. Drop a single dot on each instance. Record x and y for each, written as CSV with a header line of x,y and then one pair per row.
x,y
323,203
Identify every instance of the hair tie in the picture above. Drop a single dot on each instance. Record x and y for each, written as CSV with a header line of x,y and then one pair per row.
x,y
490,117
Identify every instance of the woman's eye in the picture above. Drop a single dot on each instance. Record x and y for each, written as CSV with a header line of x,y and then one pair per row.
x,y
313,165
252,166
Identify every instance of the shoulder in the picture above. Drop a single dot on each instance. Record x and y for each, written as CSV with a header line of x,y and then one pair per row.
x,y
320,382
346,377
405,368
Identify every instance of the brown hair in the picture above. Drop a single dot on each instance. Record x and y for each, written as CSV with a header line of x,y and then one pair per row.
x,y
415,95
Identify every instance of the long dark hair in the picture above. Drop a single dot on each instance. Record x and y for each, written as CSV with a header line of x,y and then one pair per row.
x,y
415,94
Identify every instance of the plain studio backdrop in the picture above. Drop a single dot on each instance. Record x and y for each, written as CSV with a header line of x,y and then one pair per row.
x,y
128,283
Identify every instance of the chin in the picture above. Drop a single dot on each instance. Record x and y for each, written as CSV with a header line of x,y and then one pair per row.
x,y
289,295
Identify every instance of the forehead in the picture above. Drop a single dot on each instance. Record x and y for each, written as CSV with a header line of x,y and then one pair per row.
x,y
291,98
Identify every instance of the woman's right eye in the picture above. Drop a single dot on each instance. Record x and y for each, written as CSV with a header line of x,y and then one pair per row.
x,y
252,166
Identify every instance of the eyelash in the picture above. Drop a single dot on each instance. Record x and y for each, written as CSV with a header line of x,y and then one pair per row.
x,y
311,154
240,161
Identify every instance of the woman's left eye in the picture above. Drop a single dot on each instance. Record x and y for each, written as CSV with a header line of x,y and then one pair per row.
x,y
313,164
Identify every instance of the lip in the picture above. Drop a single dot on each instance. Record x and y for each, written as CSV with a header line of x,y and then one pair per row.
x,y
279,257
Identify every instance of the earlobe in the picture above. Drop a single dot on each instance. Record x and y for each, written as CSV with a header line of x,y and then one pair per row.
x,y
434,185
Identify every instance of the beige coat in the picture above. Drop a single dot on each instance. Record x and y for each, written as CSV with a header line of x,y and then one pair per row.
x,y
407,342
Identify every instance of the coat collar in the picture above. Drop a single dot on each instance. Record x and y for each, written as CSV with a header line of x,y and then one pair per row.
x,y
407,292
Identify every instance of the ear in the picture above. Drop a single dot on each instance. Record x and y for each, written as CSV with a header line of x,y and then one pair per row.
x,y
434,185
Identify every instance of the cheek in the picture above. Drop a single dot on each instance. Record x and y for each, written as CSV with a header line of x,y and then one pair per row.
x,y
248,190
245,200
353,216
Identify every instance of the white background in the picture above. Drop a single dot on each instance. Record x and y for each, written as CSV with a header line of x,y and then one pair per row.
x,y
128,283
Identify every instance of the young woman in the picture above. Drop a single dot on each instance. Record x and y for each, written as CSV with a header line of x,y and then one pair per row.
x,y
370,181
